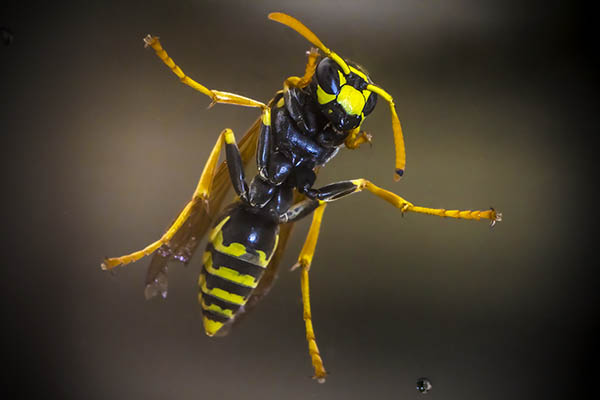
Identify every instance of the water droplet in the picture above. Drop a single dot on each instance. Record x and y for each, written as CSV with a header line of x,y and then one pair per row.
x,y
424,385
158,286
183,255
164,251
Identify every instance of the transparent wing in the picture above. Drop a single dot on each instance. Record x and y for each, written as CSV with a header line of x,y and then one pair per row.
x,y
185,241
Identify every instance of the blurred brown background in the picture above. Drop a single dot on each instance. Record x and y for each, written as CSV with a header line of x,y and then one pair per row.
x,y
102,147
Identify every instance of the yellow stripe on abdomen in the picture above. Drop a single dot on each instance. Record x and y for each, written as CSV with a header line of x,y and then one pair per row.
x,y
215,308
228,273
238,250
220,293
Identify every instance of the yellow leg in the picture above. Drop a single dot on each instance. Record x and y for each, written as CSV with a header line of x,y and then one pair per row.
x,y
308,250
206,179
405,205
311,66
304,261
309,72
356,138
201,193
313,350
215,95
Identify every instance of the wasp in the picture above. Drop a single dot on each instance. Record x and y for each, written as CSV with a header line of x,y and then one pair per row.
x,y
301,129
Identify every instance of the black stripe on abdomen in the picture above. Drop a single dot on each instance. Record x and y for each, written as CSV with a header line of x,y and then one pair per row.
x,y
225,305
241,266
215,316
213,281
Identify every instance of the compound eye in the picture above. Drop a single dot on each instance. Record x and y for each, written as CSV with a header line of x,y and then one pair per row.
x,y
370,104
328,77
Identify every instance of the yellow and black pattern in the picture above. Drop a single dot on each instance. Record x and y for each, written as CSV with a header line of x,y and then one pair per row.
x,y
239,250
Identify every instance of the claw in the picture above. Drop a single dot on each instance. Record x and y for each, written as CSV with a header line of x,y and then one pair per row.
x,y
212,103
406,206
368,137
312,52
300,264
148,40
497,218
109,264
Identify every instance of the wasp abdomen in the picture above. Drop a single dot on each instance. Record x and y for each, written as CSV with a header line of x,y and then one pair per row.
x,y
239,250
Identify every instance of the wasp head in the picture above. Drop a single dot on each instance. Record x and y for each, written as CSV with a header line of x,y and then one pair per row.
x,y
343,98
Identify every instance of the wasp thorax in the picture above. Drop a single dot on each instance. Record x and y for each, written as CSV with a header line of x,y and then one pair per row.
x,y
343,98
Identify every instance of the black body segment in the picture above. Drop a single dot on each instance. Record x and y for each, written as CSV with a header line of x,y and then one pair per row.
x,y
240,248
236,169
264,149
299,147
332,191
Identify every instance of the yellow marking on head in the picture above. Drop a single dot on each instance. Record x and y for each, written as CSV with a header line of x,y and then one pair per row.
x,y
280,102
342,78
323,97
266,117
215,308
359,73
228,273
220,293
211,327
366,93
351,100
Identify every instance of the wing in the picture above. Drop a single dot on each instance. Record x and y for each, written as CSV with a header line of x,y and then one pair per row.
x,y
268,278
185,241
